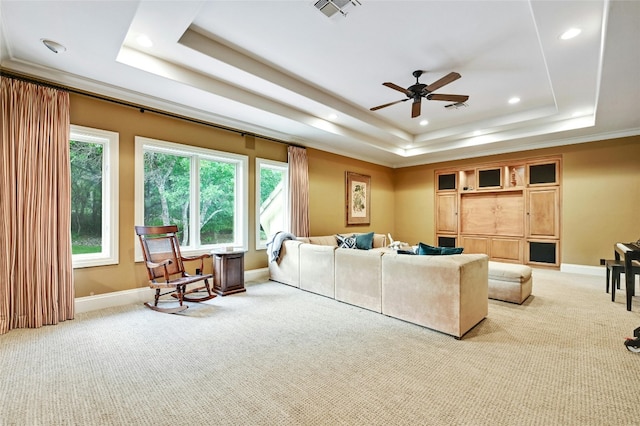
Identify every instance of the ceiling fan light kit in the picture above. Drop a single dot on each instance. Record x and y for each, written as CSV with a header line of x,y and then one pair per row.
x,y
54,46
419,90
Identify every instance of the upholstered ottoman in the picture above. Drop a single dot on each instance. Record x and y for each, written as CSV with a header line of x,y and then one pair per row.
x,y
509,282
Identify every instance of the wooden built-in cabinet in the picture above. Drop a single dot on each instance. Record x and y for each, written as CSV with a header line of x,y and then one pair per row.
x,y
510,210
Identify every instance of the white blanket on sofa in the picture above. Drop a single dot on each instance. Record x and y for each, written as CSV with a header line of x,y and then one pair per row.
x,y
274,246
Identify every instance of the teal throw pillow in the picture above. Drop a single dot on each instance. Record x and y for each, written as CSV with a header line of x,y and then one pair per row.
x,y
364,241
426,249
451,250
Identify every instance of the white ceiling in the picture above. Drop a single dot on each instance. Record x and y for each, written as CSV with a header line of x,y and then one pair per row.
x,y
281,68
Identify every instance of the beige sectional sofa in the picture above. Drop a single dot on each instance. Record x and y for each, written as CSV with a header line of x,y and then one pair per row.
x,y
444,293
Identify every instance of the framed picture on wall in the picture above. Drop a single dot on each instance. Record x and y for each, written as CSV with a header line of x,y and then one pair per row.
x,y
358,191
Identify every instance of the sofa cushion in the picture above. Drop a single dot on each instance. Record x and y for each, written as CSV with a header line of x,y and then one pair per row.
x,y
358,277
317,269
346,241
513,272
379,240
364,241
287,268
325,240
445,293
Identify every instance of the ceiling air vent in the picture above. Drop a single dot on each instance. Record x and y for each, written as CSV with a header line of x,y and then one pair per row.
x,y
331,7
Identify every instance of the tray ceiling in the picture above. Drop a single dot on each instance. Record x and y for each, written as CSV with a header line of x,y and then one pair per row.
x,y
285,70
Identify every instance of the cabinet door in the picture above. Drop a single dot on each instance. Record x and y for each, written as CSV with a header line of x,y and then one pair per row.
x,y
543,213
447,213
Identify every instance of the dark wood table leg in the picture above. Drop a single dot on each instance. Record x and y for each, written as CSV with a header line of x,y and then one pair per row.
x,y
629,278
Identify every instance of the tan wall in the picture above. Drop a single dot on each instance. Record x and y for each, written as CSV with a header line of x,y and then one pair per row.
x,y
327,188
601,190
600,193
601,199
130,122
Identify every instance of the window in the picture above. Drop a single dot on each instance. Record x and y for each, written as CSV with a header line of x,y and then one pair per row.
x,y
94,196
203,192
272,199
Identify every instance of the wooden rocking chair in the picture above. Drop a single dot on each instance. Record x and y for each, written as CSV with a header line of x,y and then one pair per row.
x,y
165,267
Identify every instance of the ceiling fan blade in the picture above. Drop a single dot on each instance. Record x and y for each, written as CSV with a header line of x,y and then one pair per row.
x,y
452,76
386,105
449,98
398,88
415,108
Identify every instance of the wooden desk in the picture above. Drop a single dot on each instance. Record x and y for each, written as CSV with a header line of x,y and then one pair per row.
x,y
629,252
229,271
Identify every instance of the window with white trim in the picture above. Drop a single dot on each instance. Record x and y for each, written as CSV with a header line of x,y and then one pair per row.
x,y
202,191
93,154
272,200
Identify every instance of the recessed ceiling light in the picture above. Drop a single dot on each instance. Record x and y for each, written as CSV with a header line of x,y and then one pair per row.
x,y
144,41
54,46
477,133
424,122
570,33
514,100
333,116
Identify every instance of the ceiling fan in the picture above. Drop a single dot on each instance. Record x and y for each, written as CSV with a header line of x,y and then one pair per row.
x,y
419,90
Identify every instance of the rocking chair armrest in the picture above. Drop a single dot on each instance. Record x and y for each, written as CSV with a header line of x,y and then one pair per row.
x,y
164,264
189,258
200,258
157,265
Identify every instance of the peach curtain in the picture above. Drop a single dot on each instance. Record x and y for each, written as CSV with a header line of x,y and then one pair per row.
x,y
36,275
299,191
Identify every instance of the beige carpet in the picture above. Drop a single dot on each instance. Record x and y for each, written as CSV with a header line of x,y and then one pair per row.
x,y
276,355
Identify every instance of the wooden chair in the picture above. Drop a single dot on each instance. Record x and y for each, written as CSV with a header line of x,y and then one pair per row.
x,y
165,267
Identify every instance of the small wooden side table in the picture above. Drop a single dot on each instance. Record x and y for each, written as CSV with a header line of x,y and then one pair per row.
x,y
228,269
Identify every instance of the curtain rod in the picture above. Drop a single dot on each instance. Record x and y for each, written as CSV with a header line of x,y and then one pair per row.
x,y
141,108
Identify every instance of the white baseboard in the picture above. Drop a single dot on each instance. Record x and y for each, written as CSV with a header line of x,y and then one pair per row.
x,y
141,295
115,298
583,269
256,274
